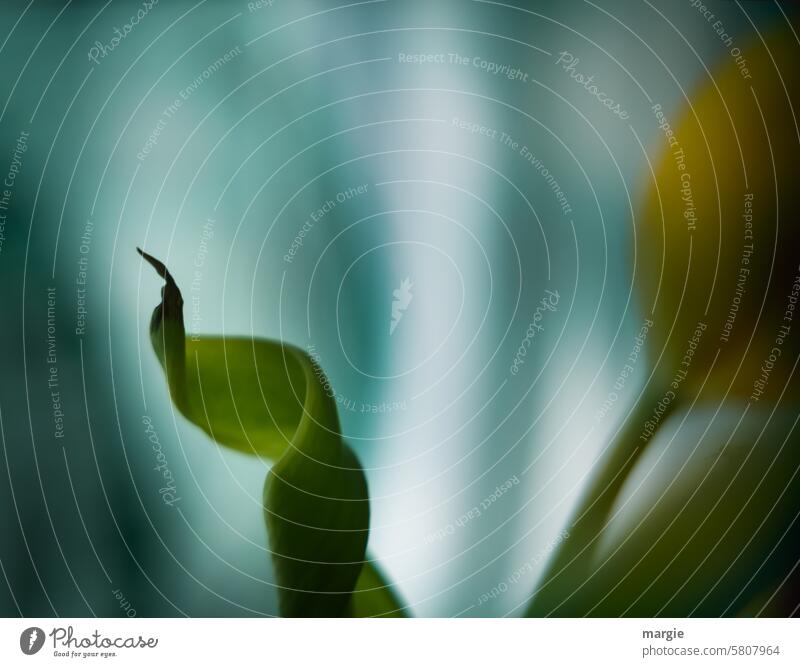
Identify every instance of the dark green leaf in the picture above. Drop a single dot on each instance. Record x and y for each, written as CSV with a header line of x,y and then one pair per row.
x,y
269,399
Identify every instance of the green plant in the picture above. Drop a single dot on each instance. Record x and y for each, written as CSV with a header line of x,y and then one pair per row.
x,y
267,399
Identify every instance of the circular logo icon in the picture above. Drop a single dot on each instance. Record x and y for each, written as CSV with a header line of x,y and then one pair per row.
x,y
31,640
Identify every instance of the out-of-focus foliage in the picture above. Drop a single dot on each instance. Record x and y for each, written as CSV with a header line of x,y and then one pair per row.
x,y
682,501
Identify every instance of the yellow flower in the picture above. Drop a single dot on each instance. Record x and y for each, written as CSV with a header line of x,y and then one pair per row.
x,y
717,242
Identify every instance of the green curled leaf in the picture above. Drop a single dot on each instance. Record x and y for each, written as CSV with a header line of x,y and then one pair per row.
x,y
246,394
268,399
317,515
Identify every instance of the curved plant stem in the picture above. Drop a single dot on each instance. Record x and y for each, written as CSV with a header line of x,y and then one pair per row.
x,y
560,590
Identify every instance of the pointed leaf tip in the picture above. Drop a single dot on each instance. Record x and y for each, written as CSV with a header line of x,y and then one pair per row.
x,y
158,265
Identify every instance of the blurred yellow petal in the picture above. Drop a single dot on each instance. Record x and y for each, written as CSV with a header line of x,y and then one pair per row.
x,y
718,235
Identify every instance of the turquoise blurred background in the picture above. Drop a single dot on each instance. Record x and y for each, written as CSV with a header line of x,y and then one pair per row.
x,y
306,116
